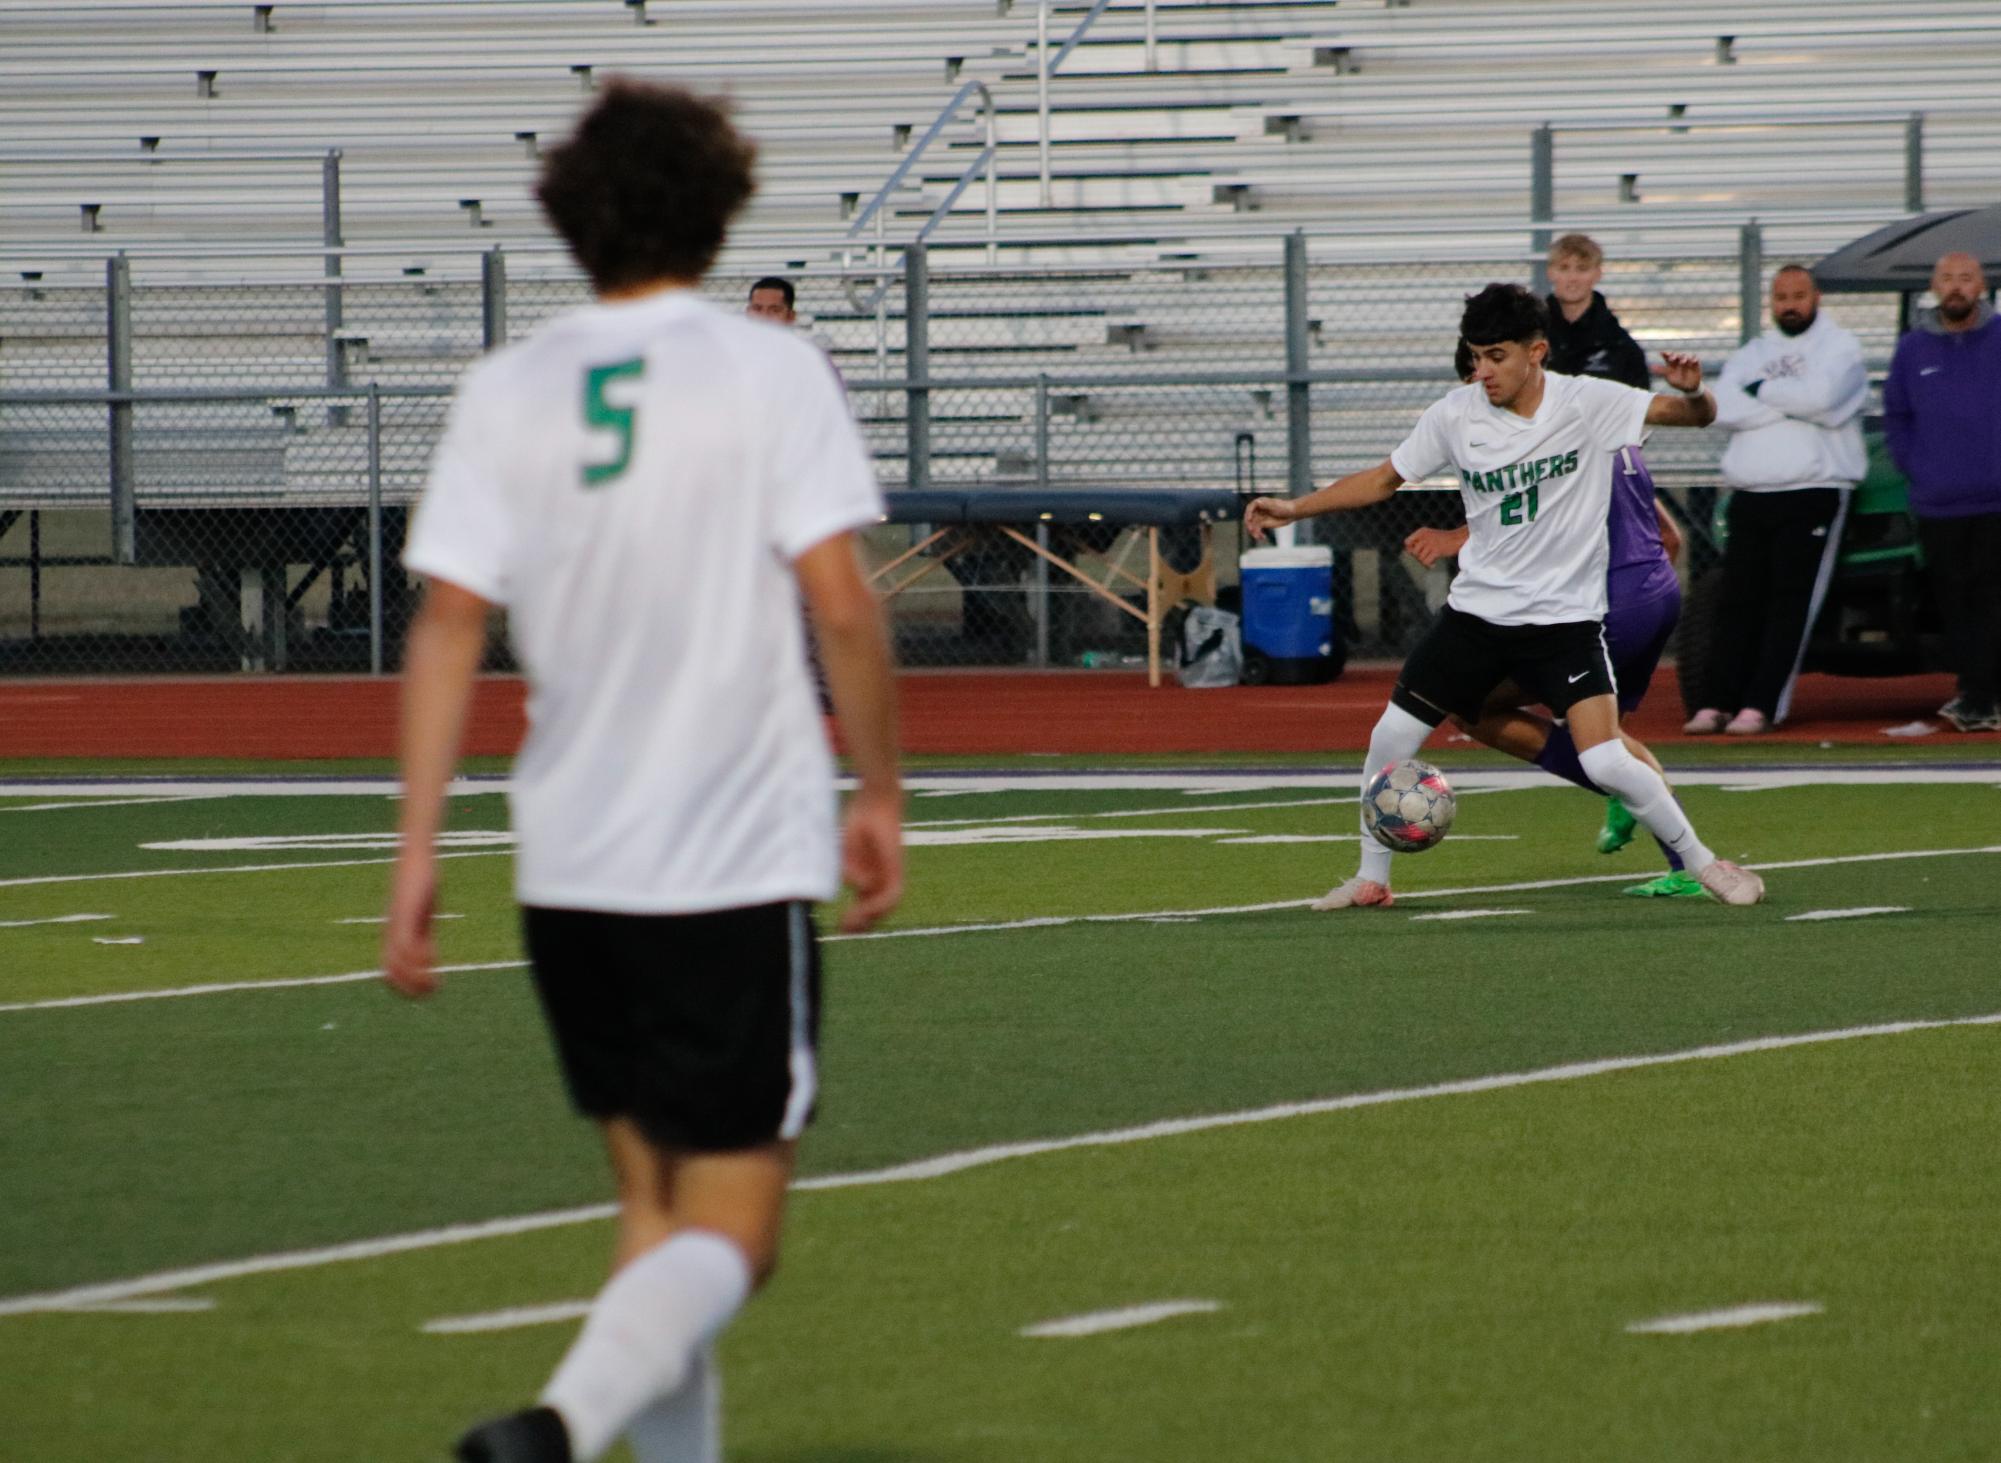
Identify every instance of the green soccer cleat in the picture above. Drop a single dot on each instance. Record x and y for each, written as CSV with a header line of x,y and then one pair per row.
x,y
1618,829
1679,884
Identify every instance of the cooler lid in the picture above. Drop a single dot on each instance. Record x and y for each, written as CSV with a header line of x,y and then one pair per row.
x,y
1305,556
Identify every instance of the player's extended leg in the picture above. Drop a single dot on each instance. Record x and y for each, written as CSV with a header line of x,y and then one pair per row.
x,y
1398,735
1594,723
697,1233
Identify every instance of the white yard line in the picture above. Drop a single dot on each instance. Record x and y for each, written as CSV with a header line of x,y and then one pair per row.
x,y
944,1164
1096,1323
60,919
1469,914
229,987
508,1320
70,806
1727,1319
383,919
347,863
1336,776
1357,838
1858,913
1040,922
166,1305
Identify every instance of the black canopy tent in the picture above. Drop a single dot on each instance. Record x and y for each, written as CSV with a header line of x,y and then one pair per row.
x,y
1900,256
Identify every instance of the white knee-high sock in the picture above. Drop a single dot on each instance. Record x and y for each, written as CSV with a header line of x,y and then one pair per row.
x,y
1647,798
1398,735
685,1426
644,1332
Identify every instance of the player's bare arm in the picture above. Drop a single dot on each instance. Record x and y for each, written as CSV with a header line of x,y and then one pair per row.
x,y
443,654
854,647
1693,406
1670,532
1357,490
1429,545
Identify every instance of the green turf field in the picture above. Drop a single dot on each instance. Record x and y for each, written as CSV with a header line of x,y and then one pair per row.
x,y
205,1077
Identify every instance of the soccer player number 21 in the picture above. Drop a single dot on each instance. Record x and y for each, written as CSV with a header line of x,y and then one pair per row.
x,y
1511,507
601,414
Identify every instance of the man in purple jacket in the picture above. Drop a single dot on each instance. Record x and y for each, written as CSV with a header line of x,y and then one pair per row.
x,y
1942,416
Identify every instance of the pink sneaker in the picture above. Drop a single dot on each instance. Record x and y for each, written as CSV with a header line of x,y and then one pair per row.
x,y
1750,722
1357,892
1705,723
1730,884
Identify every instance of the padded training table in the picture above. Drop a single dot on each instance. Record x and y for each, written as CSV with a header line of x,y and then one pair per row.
x,y
960,517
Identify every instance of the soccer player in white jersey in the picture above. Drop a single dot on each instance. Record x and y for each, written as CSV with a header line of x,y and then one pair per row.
x,y
651,485
1534,452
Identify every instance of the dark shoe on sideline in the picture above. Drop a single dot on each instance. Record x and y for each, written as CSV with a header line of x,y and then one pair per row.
x,y
534,1436
1970,718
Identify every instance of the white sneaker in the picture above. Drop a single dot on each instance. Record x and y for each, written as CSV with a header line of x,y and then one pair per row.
x,y
1705,723
1729,884
1750,722
1366,893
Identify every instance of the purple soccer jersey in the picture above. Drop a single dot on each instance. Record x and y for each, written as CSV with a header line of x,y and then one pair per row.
x,y
1642,594
1638,567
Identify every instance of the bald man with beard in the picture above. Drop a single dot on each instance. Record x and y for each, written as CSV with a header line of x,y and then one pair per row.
x,y
1942,416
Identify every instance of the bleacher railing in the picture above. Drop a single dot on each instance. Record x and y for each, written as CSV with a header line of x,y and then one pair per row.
x,y
181,490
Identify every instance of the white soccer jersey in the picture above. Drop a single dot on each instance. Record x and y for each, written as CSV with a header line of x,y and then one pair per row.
x,y
1538,491
633,483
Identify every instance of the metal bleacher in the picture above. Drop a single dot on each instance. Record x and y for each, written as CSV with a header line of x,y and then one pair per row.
x,y
192,135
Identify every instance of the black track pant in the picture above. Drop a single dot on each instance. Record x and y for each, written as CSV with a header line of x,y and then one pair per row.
x,y
1965,559
1776,568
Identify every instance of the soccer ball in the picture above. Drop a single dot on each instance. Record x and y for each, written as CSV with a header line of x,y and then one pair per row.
x,y
1408,806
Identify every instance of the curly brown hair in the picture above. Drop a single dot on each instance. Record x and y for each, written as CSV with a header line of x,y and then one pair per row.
x,y
645,189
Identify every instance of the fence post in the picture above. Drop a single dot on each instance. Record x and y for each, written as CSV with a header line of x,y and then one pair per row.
x,y
1542,202
493,299
917,366
1298,391
374,528
118,377
330,236
1041,570
1750,280
1914,163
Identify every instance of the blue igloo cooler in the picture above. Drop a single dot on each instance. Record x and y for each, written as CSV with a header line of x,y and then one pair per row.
x,y
1289,615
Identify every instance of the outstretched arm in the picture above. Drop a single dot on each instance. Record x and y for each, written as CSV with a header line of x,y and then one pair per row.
x,y
1684,374
1357,490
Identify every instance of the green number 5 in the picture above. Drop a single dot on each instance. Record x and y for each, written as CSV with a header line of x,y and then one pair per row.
x,y
601,414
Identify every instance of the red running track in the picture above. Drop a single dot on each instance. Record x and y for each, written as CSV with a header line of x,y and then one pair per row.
x,y
965,713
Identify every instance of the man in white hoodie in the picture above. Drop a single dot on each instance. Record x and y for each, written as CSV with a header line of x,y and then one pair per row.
x,y
1794,398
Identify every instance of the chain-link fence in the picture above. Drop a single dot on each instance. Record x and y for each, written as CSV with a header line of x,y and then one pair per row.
x,y
202,472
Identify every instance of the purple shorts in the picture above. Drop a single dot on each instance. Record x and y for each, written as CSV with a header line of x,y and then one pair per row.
x,y
1636,635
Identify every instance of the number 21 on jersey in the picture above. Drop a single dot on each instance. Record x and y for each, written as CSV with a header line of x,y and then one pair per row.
x,y
601,415
1511,509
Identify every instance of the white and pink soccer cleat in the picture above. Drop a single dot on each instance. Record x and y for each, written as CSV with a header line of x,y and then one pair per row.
x,y
1729,884
1356,893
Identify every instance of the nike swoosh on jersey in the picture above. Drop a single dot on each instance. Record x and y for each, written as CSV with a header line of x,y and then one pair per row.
x,y
1931,370
1578,677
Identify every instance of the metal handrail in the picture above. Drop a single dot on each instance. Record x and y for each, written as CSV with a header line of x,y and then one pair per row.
x,y
877,210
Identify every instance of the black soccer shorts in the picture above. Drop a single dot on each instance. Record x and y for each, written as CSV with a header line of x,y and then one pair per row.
x,y
1462,658
703,1029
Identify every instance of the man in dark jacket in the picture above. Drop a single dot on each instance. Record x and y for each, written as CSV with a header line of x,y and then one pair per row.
x,y
1942,416
1585,337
